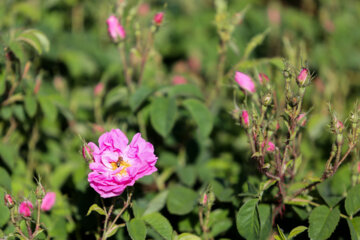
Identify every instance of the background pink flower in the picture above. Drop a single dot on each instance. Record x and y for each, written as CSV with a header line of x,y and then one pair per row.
x,y
158,18
245,82
115,29
118,165
25,208
48,201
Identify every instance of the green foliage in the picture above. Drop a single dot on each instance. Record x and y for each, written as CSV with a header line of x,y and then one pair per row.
x,y
181,200
322,222
160,224
163,115
352,201
248,221
137,229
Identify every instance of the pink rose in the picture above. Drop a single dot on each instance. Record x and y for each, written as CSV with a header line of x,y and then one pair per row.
x,y
25,208
48,201
245,82
118,165
158,18
115,29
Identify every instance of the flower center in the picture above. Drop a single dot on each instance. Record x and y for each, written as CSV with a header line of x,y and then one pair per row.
x,y
120,163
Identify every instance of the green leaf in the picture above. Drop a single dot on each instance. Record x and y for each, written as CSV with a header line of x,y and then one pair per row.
x,y
30,105
95,208
187,175
322,222
354,226
60,175
5,180
248,221
187,236
201,115
112,230
181,200
48,107
19,112
160,224
265,220
139,97
157,203
281,233
163,115
185,90
36,39
4,211
254,42
137,229
352,201
116,95
8,154
296,231
2,83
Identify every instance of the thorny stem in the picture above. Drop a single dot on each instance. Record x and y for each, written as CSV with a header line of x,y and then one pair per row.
x,y
108,215
29,229
125,66
38,215
18,229
144,58
126,204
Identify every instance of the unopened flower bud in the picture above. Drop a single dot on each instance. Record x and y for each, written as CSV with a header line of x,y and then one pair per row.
x,y
302,119
205,199
40,191
267,99
115,29
301,78
339,126
9,202
25,208
99,88
245,118
263,78
158,18
48,201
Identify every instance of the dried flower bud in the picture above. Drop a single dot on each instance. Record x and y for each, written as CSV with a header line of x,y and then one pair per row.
x,y
267,99
9,202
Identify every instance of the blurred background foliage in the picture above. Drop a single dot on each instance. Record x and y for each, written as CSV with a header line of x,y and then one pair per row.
x,y
64,47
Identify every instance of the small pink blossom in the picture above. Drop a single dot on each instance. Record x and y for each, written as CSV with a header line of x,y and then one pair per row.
x,y
245,82
302,119
158,18
99,88
118,164
303,75
358,167
115,29
25,208
48,201
270,146
245,118
177,79
263,78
